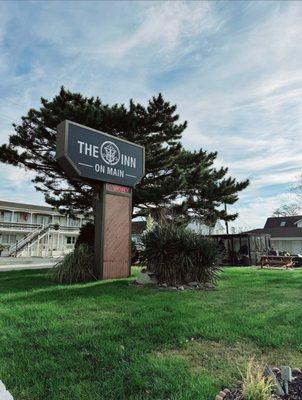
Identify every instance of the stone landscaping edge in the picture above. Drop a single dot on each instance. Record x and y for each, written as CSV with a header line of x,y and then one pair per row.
x,y
292,392
222,394
148,279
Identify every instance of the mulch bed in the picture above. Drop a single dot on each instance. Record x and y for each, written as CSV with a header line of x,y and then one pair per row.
x,y
295,389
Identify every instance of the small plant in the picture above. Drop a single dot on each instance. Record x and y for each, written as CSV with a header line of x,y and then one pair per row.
x,y
76,267
56,226
255,385
178,255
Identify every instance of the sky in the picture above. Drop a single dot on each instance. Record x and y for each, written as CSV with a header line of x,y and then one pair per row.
x,y
234,69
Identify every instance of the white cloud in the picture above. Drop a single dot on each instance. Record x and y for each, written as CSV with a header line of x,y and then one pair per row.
x,y
16,185
166,25
254,213
238,81
16,176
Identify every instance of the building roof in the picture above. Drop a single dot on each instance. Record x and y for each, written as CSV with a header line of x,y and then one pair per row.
x,y
138,227
281,227
255,232
289,222
22,206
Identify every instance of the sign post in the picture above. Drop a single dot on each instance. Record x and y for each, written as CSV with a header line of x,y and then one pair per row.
x,y
114,166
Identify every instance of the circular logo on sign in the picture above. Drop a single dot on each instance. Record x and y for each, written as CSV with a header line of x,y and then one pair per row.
x,y
110,153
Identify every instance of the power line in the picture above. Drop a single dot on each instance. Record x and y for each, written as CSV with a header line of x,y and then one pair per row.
x,y
5,117
12,101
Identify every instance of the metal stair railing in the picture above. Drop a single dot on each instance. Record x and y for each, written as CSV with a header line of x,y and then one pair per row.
x,y
20,245
42,234
15,247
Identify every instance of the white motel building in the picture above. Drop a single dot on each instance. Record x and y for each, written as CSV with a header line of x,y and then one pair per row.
x,y
28,230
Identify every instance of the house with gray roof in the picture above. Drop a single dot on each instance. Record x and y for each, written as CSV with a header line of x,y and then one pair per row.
x,y
285,232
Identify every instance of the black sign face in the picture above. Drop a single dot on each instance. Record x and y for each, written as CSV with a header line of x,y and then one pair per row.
x,y
88,154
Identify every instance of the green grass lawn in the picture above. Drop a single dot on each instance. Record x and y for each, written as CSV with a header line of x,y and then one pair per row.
x,y
108,340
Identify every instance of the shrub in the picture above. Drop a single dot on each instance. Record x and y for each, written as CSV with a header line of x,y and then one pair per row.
x,y
178,255
56,226
86,235
255,385
76,266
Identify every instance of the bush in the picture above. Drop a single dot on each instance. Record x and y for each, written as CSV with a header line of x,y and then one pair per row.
x,y
76,266
86,235
255,385
178,255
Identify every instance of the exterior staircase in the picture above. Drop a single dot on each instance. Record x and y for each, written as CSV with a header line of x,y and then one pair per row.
x,y
30,239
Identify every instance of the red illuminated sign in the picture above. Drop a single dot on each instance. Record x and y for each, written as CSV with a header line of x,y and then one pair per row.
x,y
117,188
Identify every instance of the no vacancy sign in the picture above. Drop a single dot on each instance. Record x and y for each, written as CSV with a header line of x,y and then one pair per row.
x,y
91,155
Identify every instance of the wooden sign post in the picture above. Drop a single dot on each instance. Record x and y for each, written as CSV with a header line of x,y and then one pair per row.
x,y
112,244
113,166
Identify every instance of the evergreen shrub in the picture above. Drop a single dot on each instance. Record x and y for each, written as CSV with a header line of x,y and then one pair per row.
x,y
178,255
86,235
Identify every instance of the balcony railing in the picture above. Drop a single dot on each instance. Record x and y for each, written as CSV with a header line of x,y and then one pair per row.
x,y
18,225
29,227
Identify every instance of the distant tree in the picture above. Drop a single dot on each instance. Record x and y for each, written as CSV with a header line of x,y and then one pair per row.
x,y
287,210
187,183
296,189
295,206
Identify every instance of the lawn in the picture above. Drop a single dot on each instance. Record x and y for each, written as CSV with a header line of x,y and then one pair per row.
x,y
108,340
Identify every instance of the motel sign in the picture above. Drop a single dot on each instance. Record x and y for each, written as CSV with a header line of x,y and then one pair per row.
x,y
113,166
88,154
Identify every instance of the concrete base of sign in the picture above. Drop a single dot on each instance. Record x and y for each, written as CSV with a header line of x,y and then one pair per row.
x,y
113,214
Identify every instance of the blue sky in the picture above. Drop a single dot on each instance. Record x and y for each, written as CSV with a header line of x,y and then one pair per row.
x,y
233,68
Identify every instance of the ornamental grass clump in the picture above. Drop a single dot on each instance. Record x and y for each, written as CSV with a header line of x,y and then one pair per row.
x,y
255,385
76,267
178,255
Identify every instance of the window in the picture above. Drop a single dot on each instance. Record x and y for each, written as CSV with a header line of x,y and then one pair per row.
x,y
43,219
8,239
71,240
282,223
6,216
17,217
74,222
12,239
4,238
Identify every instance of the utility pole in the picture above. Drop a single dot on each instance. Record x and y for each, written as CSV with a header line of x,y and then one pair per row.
x,y
226,222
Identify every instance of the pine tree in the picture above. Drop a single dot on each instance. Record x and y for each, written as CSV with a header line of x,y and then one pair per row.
x,y
183,182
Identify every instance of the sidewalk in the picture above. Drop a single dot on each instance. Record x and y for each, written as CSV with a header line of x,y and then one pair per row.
x,y
12,264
